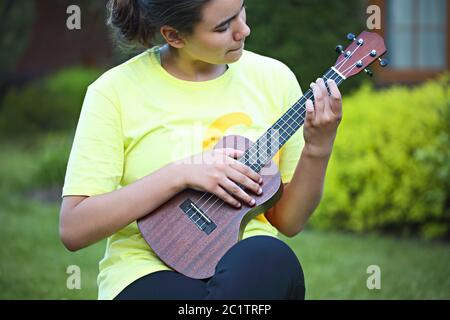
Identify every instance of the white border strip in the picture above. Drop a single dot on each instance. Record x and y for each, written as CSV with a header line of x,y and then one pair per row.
x,y
340,74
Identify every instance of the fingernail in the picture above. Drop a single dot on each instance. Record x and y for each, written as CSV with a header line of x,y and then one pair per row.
x,y
259,191
252,203
260,180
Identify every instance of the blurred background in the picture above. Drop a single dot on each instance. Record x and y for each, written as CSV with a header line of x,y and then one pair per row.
x,y
387,194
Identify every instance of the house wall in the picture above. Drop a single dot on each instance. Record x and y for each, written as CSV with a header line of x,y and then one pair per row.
x,y
53,46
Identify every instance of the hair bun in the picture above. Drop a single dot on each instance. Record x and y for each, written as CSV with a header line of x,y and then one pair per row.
x,y
126,20
136,23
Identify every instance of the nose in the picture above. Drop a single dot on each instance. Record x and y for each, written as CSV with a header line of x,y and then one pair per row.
x,y
242,32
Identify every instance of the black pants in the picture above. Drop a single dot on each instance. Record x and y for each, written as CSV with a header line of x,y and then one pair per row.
x,y
259,267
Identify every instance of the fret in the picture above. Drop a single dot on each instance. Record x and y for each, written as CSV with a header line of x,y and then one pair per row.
x,y
265,148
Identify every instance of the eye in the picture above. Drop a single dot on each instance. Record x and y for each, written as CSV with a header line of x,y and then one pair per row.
x,y
227,26
224,28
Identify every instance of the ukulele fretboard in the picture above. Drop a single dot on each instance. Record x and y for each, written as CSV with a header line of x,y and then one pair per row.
x,y
266,147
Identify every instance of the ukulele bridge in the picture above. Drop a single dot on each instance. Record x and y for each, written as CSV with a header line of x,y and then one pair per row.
x,y
197,216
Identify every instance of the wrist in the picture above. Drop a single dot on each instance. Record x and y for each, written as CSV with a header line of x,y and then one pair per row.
x,y
316,152
178,176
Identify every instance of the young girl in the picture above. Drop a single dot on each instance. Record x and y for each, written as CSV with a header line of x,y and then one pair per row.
x,y
167,104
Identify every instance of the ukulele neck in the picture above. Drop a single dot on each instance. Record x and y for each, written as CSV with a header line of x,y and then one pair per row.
x,y
267,146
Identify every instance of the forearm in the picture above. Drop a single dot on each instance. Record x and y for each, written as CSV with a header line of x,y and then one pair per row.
x,y
302,195
100,216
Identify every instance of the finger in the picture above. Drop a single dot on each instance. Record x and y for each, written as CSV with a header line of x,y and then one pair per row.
x,y
318,99
226,197
310,114
324,93
336,98
244,181
322,87
233,153
237,192
247,171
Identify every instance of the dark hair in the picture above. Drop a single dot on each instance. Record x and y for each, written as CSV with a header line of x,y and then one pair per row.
x,y
136,23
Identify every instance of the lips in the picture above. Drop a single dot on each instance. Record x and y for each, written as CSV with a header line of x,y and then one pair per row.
x,y
237,48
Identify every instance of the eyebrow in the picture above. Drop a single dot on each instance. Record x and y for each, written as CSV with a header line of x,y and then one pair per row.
x,y
229,19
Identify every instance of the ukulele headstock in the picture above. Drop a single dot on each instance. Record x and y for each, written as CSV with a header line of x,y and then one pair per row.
x,y
362,52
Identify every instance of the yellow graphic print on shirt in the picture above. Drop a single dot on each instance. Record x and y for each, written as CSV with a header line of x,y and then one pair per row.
x,y
217,130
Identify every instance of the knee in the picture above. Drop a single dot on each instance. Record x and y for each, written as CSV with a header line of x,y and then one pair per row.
x,y
272,255
279,254
265,266
283,264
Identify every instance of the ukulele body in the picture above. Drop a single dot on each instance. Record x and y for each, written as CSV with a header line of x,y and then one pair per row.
x,y
192,231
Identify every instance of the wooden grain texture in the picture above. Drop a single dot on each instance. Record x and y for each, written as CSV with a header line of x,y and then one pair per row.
x,y
187,249
372,41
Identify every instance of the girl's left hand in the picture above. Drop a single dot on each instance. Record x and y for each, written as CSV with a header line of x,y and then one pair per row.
x,y
322,119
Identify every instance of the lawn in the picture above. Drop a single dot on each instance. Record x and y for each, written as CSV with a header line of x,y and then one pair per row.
x,y
335,266
34,263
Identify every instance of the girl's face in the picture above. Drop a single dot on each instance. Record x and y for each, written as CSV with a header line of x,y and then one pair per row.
x,y
219,37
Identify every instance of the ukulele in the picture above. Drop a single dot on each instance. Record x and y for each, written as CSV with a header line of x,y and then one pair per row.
x,y
192,231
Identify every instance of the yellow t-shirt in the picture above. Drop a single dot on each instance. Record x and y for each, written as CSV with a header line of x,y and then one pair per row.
x,y
137,118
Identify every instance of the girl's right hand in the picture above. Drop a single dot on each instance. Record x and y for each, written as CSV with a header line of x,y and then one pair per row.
x,y
218,172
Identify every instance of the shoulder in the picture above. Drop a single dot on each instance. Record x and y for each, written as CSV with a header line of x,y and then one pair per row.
x,y
121,75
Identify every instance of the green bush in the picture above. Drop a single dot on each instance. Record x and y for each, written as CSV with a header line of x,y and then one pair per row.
x,y
303,34
53,103
50,160
38,165
15,167
390,168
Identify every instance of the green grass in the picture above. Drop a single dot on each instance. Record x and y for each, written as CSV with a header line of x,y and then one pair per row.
x,y
33,262
15,167
335,266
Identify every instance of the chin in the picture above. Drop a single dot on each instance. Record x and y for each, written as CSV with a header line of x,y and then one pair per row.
x,y
233,56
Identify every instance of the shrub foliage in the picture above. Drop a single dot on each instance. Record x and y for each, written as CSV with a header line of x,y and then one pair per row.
x,y
390,168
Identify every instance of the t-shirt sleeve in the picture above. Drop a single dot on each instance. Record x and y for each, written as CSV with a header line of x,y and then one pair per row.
x,y
96,159
291,151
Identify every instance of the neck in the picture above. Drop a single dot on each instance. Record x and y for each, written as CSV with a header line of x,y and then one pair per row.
x,y
181,66
265,148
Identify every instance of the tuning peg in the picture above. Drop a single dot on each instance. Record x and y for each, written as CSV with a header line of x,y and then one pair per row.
x,y
383,62
339,49
369,72
351,37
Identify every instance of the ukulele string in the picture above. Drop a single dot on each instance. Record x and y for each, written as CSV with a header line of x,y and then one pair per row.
x,y
295,114
339,65
350,69
251,157
336,67
351,54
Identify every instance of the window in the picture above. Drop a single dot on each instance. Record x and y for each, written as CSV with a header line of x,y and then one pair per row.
x,y
417,36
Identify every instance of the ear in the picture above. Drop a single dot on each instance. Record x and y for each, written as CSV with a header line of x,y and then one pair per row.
x,y
172,37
